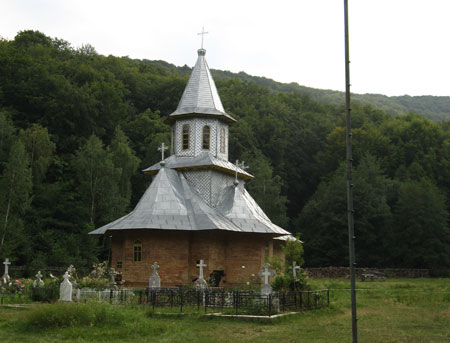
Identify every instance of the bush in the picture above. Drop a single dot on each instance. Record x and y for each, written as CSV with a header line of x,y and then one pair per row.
x,y
49,293
71,315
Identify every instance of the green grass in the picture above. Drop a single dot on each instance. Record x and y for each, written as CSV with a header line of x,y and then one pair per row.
x,y
395,310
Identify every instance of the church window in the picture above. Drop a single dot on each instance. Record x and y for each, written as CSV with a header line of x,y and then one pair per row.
x,y
185,137
137,251
206,134
222,140
119,264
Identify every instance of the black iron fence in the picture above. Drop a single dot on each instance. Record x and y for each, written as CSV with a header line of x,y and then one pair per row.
x,y
216,300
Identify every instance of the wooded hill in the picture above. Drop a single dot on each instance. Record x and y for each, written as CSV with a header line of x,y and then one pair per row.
x,y
76,127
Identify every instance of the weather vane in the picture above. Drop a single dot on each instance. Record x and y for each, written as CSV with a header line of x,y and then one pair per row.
x,y
203,33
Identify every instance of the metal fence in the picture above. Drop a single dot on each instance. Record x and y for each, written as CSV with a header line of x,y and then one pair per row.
x,y
212,300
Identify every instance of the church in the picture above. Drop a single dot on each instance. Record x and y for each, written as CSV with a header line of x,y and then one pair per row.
x,y
197,207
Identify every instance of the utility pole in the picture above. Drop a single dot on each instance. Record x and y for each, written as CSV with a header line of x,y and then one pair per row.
x,y
350,211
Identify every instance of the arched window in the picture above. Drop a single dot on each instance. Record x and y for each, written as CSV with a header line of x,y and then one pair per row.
x,y
137,251
222,140
206,134
185,140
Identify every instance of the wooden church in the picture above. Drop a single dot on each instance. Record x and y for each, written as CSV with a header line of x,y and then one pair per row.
x,y
197,207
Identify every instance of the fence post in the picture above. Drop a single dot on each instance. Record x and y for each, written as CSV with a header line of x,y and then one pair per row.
x,y
198,300
206,298
180,291
110,296
270,303
309,305
328,297
140,297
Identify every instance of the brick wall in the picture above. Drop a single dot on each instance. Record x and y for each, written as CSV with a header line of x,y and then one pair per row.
x,y
177,253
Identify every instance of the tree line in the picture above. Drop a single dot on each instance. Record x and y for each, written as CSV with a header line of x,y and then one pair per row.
x,y
77,127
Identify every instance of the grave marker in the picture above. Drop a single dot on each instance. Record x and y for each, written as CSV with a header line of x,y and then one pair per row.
x,y
65,289
267,273
154,281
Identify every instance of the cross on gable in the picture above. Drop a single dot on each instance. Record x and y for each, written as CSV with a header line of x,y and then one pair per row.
x,y
203,33
162,148
201,265
243,166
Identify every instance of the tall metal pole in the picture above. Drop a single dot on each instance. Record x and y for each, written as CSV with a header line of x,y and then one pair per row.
x,y
350,211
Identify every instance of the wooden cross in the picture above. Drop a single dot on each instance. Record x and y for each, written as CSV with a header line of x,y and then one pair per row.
x,y
6,263
162,148
295,268
201,265
203,33
155,268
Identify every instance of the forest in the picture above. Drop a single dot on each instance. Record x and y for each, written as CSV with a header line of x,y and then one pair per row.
x,y
77,127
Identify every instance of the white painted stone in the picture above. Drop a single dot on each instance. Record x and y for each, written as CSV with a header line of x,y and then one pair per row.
x,y
65,289
154,281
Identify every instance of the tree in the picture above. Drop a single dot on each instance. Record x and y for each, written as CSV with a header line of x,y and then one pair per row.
x,y
16,186
420,237
125,161
99,180
40,149
323,221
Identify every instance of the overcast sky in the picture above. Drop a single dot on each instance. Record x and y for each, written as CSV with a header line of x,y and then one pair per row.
x,y
397,47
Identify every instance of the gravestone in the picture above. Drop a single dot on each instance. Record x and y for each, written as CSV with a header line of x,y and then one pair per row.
x,y
154,281
65,289
6,277
112,281
266,273
295,268
201,282
38,283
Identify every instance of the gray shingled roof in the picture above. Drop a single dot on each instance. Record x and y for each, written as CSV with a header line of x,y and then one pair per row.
x,y
200,95
171,204
202,160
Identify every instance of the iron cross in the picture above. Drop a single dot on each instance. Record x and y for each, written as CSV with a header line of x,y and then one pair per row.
x,y
203,33
162,148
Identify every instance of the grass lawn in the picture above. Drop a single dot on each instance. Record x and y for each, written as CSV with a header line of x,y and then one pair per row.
x,y
395,310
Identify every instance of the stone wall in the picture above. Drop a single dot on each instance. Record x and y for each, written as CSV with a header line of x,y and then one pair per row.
x,y
343,272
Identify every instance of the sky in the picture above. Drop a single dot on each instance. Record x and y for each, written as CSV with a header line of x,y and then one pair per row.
x,y
397,47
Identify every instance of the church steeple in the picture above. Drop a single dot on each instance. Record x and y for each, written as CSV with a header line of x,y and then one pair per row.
x,y
200,97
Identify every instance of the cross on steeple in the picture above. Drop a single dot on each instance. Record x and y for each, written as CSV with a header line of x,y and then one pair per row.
x,y
203,33
239,165
162,148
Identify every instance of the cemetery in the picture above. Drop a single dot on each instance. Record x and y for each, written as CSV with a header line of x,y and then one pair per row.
x,y
199,297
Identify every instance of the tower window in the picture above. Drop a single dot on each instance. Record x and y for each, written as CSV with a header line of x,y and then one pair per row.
x,y
185,137
206,134
137,251
222,140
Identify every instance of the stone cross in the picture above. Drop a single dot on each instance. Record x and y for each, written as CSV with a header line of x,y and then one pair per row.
x,y
162,148
65,289
112,275
201,265
6,263
154,281
295,268
38,282
266,272
155,268
203,33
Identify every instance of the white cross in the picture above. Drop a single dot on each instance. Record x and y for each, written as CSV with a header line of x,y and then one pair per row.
x,y
203,33
266,273
6,263
295,268
38,275
201,265
155,268
66,276
162,148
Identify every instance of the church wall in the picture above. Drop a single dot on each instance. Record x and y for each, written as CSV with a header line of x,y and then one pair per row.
x,y
178,252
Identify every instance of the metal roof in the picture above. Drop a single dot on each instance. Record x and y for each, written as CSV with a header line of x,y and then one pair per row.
x,y
171,204
203,160
200,95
